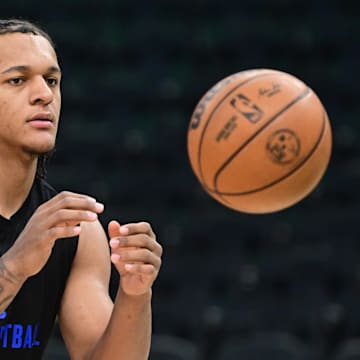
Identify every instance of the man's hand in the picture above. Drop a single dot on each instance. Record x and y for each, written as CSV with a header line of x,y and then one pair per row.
x,y
60,217
136,255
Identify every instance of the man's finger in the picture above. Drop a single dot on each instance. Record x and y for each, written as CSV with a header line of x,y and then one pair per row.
x,y
68,216
71,201
136,241
142,227
113,229
63,232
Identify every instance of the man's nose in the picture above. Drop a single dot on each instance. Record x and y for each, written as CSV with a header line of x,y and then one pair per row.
x,y
40,92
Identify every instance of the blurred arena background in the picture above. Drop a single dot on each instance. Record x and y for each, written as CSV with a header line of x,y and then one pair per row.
x,y
232,286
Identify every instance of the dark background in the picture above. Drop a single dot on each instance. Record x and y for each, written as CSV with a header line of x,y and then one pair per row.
x,y
133,73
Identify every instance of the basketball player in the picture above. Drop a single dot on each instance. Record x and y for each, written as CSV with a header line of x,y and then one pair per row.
x,y
55,260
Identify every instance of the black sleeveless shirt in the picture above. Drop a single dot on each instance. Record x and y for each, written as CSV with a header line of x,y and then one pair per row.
x,y
26,325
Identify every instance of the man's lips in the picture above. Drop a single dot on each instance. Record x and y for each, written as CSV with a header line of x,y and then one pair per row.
x,y
42,117
41,120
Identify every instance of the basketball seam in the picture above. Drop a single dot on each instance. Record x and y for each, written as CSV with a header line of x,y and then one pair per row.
x,y
201,177
322,132
253,136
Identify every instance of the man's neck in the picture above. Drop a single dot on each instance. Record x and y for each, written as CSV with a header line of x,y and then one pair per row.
x,y
16,179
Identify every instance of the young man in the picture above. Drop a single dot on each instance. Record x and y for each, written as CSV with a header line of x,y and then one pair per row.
x,y
54,254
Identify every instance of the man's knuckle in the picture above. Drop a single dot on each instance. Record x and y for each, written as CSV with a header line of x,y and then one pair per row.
x,y
50,234
65,202
148,256
63,194
61,214
124,241
145,224
161,249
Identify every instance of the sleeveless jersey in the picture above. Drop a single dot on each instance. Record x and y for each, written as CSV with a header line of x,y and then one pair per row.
x,y
27,323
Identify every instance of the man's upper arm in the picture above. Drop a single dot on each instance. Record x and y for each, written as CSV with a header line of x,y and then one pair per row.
x,y
86,305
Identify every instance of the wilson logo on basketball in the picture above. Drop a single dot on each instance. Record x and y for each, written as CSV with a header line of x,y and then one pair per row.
x,y
200,109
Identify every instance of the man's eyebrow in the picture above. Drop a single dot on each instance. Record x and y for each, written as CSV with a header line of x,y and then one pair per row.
x,y
24,68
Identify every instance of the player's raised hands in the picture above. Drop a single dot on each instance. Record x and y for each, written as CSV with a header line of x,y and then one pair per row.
x,y
136,254
58,218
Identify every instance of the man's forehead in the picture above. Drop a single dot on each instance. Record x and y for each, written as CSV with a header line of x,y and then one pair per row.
x,y
29,49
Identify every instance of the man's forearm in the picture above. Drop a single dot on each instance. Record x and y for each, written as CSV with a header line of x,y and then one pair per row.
x,y
9,285
128,334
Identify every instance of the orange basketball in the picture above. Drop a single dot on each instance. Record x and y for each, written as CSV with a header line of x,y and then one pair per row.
x,y
259,141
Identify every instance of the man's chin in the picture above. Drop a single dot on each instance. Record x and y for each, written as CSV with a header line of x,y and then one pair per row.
x,y
39,150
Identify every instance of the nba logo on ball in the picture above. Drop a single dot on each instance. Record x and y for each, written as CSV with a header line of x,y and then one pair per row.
x,y
259,141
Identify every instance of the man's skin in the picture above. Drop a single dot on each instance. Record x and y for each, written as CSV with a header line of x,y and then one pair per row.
x,y
92,326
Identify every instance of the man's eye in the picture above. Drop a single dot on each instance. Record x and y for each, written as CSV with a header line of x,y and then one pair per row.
x,y
52,81
16,81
